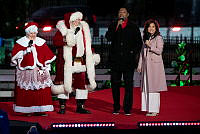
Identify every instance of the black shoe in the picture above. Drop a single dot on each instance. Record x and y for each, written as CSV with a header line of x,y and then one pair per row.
x,y
62,103
115,112
82,111
80,107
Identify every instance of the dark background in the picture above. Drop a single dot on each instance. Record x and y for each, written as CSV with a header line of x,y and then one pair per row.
x,y
168,12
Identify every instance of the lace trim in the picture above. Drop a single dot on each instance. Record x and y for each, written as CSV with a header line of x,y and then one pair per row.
x,y
33,79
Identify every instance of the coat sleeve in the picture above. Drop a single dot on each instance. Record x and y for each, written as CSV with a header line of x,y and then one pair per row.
x,y
17,53
58,39
141,58
45,55
21,58
158,48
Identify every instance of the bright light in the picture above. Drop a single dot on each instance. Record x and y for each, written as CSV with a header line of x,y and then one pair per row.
x,y
46,28
181,83
168,124
84,125
182,57
176,29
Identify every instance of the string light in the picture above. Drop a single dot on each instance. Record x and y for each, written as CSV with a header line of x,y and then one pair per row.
x,y
84,125
168,124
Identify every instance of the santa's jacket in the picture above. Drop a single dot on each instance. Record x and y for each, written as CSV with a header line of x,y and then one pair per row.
x,y
39,54
82,42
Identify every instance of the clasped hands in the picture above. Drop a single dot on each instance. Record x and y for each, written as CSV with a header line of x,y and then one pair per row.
x,y
147,43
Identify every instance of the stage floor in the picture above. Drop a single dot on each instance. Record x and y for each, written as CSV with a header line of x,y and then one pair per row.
x,y
177,104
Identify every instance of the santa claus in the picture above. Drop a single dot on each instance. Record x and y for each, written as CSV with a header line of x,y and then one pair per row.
x,y
32,58
77,59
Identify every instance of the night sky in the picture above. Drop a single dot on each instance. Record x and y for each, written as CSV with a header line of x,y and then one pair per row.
x,y
105,7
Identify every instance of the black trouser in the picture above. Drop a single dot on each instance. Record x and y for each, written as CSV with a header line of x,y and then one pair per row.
x,y
116,83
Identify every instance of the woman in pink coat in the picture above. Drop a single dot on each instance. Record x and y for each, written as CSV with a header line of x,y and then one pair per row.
x,y
152,69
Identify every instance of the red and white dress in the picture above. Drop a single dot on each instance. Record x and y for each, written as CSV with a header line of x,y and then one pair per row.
x,y
33,81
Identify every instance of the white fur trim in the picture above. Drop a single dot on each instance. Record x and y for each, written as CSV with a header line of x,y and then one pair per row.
x,y
39,41
89,56
57,89
96,58
33,109
47,63
32,29
63,96
78,68
24,41
18,57
61,27
75,16
90,88
81,94
67,55
80,44
92,85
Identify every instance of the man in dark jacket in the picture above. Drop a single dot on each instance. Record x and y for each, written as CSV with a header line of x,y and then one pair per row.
x,y
126,43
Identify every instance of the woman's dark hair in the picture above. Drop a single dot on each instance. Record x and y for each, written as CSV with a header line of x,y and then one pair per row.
x,y
146,34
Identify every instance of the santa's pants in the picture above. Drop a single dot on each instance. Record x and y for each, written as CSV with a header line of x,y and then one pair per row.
x,y
80,94
79,82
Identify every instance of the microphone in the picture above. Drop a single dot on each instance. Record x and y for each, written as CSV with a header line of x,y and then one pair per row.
x,y
121,18
76,30
28,50
148,36
30,43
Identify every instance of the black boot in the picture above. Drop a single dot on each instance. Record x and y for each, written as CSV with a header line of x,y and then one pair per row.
x,y
80,107
62,103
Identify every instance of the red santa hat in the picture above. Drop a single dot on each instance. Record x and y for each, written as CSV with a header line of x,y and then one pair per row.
x,y
31,27
66,18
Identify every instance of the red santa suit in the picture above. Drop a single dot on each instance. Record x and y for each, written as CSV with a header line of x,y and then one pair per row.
x,y
79,60
58,43
33,89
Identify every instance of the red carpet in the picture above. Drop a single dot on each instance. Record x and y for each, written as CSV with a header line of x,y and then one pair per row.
x,y
177,104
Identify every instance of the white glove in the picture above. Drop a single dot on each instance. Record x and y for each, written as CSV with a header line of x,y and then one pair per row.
x,y
93,85
96,58
70,38
62,28
28,50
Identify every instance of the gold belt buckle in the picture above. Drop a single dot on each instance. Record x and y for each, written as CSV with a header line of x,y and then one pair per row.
x,y
77,59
